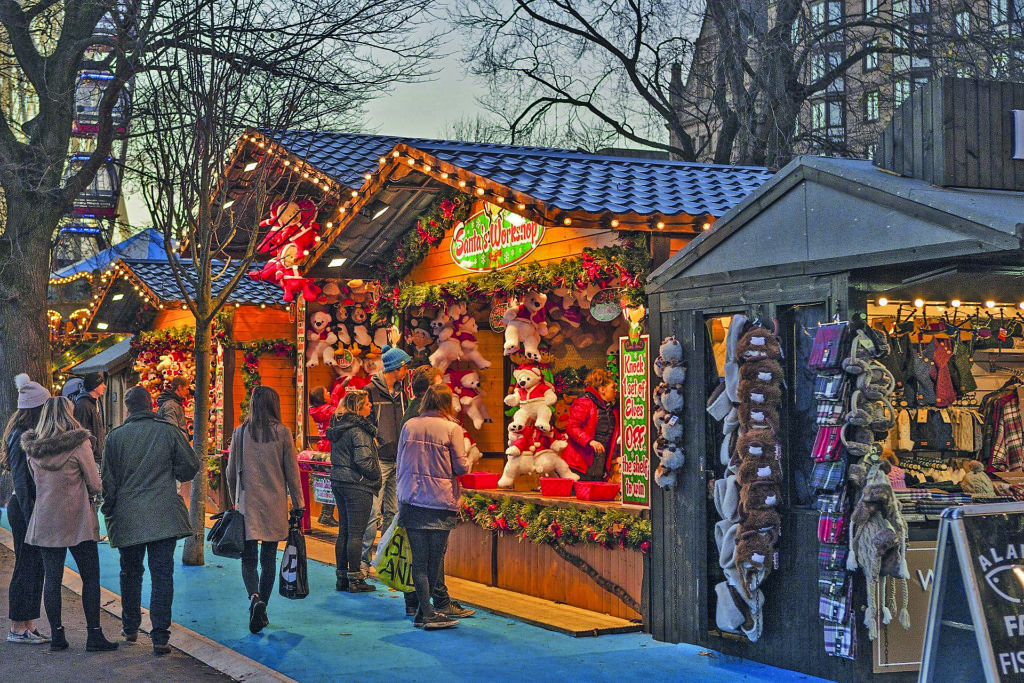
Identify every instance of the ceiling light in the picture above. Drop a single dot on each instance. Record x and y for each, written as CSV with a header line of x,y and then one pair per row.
x,y
375,210
117,297
990,304
337,262
251,166
102,326
882,301
919,303
955,303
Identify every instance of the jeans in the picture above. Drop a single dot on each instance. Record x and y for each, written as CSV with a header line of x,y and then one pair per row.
x,y
263,582
387,499
354,505
161,576
428,548
87,557
26,591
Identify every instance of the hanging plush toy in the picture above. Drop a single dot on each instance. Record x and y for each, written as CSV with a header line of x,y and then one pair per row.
x,y
465,332
525,325
287,220
360,330
466,387
283,271
321,339
421,339
448,349
533,396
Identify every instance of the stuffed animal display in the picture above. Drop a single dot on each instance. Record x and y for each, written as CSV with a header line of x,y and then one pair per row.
x,y
321,339
465,385
668,415
525,324
292,231
533,396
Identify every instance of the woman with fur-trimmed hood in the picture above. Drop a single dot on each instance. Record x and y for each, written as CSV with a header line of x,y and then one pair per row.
x,y
60,455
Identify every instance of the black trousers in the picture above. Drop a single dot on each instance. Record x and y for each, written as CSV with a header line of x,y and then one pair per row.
x,y
26,591
428,549
261,582
161,577
354,507
87,557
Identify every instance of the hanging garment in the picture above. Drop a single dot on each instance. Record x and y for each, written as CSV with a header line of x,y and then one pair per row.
x,y
1008,439
960,370
896,361
932,430
921,383
945,393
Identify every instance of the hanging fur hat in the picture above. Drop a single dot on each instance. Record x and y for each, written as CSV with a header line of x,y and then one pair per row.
x,y
756,443
757,344
759,495
759,393
765,370
758,416
763,468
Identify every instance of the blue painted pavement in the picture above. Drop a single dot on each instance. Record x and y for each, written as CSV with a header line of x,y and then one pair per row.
x,y
367,637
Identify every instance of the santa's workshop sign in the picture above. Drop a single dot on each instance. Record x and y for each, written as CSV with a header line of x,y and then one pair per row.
x,y
635,420
493,239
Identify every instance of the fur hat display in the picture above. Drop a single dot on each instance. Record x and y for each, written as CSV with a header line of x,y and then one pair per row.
x,y
758,344
765,468
758,416
759,495
669,401
756,443
759,393
766,370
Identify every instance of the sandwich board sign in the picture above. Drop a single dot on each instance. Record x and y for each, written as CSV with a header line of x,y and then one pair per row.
x,y
975,628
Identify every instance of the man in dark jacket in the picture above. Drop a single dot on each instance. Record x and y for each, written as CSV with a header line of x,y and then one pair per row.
x,y
145,515
171,403
387,396
88,412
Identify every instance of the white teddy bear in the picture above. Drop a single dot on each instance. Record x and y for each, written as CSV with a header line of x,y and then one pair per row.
x,y
471,398
465,333
448,348
533,396
321,339
526,324
517,464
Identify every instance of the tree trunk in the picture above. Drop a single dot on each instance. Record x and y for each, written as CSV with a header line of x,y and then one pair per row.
x,y
24,276
193,554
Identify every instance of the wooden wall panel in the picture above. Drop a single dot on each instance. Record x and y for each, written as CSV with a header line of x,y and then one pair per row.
x,y
253,322
169,318
469,554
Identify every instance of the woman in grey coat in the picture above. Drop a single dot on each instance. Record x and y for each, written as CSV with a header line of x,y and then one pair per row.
x,y
262,465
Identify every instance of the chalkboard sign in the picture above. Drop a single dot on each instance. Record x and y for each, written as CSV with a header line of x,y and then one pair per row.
x,y
975,626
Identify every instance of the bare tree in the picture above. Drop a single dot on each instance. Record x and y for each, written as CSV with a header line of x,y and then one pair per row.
x,y
309,64
496,127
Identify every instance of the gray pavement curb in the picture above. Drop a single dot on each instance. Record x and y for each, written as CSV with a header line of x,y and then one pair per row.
x,y
209,652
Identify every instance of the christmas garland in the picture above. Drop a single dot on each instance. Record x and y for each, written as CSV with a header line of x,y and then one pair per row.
x,y
447,210
168,339
553,525
251,353
621,266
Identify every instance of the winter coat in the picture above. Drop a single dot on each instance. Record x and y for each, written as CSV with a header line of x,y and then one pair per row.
x,y
322,415
354,452
142,460
581,429
171,408
387,414
87,413
411,411
24,486
65,473
268,471
431,455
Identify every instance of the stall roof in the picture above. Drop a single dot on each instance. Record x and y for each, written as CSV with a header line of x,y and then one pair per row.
x,y
820,215
148,244
109,360
158,276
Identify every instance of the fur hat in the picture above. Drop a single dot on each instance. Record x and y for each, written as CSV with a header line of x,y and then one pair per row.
x,y
756,443
764,468
766,370
759,393
30,394
759,495
757,344
758,416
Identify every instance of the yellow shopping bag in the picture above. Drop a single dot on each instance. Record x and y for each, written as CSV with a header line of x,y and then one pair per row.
x,y
393,560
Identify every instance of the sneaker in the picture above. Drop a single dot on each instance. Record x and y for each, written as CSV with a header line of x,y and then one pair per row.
x,y
257,615
130,637
24,638
41,637
438,621
457,611
161,649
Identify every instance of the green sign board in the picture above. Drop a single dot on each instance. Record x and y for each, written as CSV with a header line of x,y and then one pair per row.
x,y
494,239
635,420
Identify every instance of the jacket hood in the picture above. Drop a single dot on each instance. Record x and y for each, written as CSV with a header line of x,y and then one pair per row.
x,y
143,415
347,421
52,453
166,396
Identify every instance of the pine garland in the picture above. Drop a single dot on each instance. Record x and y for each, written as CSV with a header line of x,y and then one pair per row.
x,y
447,210
168,339
251,353
554,525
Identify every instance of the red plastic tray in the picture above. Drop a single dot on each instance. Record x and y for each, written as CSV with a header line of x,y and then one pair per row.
x,y
556,487
480,480
596,490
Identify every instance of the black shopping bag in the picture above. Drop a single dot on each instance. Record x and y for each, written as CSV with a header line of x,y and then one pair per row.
x,y
227,537
294,582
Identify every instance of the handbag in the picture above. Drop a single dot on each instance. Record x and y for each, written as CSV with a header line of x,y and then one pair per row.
x,y
827,350
293,579
227,536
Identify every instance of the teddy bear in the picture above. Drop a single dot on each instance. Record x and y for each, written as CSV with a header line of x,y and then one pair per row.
x,y
465,332
330,292
560,413
340,324
670,455
516,464
473,453
448,348
533,396
547,459
165,364
321,339
525,324
384,334
359,330
420,339
466,387
283,271
669,426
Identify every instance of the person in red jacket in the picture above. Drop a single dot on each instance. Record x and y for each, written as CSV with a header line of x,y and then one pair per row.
x,y
321,408
593,428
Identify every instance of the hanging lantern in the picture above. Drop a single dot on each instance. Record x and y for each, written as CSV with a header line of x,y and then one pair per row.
x,y
100,198
89,91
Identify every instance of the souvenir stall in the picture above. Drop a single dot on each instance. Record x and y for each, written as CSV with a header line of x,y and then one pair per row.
x,y
514,272
854,344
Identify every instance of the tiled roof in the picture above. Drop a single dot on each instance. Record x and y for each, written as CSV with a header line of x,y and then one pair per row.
x,y
568,180
159,277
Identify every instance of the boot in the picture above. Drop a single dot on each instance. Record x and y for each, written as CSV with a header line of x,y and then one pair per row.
x,y
57,640
327,516
357,584
341,584
97,642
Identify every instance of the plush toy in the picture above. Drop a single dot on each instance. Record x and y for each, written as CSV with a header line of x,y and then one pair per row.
x,y
287,220
526,324
340,325
547,458
670,399
165,364
330,292
670,351
465,333
385,335
360,331
671,428
420,337
516,464
533,396
283,271
356,376
321,339
466,387
473,453
670,455
665,478
449,349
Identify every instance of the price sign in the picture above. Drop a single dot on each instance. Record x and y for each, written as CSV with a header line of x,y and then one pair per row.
x,y
322,491
635,420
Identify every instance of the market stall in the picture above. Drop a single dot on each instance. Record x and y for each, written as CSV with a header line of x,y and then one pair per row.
x,y
853,339
514,272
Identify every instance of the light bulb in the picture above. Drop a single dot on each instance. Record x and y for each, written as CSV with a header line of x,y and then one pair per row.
x,y
955,303
882,301
990,304
918,303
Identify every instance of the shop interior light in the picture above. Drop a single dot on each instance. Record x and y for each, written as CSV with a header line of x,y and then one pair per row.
x,y
251,166
615,223
337,262
990,304
375,210
102,326
117,297
228,204
918,303
955,303
706,226
882,301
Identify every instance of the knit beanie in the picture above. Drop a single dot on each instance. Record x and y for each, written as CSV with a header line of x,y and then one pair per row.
x,y
93,380
30,394
393,358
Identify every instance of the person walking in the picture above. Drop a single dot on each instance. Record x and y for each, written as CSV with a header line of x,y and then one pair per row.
x,y
142,461
264,469
26,590
88,412
322,409
60,456
387,395
171,403
593,428
431,456
355,478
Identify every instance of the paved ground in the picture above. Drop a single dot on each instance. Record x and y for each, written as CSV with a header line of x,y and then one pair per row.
x,y
133,662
